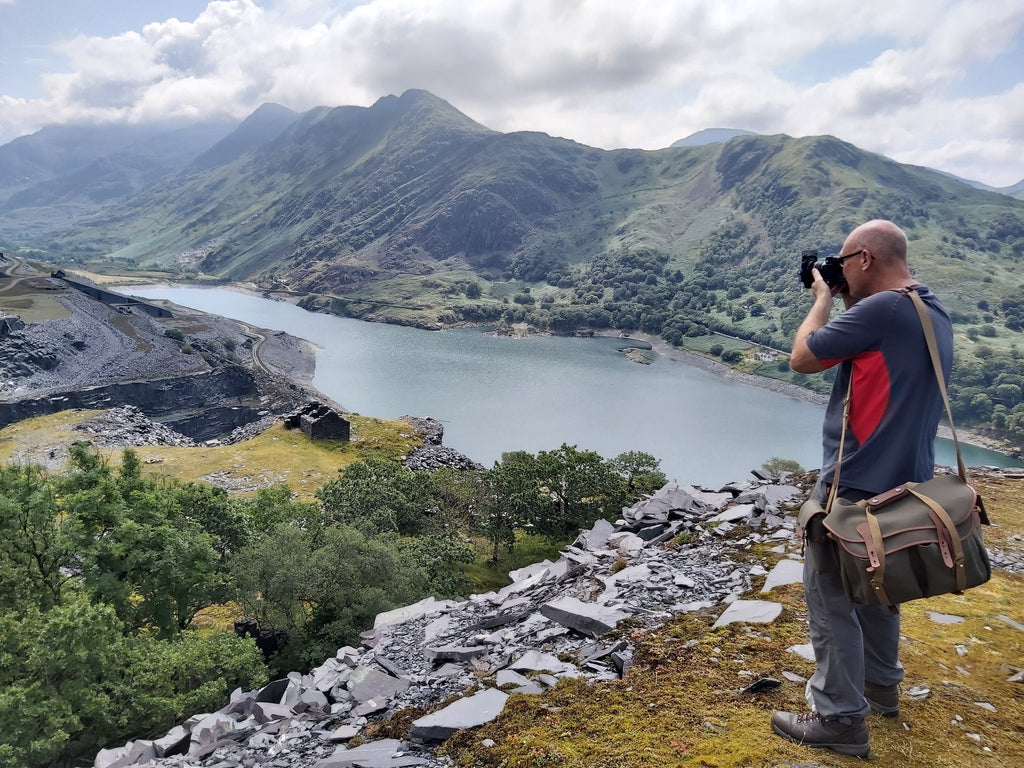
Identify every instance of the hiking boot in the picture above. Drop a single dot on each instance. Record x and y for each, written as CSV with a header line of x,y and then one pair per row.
x,y
812,730
884,699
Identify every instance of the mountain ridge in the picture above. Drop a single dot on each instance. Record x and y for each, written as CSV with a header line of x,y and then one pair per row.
x,y
409,211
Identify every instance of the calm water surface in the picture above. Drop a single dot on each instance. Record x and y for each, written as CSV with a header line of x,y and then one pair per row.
x,y
496,394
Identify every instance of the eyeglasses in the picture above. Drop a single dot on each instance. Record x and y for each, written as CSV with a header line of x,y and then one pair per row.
x,y
841,259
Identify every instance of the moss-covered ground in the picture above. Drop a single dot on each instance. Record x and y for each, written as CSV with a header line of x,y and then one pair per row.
x,y
682,704
277,456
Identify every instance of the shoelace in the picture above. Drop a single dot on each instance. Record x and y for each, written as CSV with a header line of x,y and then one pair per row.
x,y
810,717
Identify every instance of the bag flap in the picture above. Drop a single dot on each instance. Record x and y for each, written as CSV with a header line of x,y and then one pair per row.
x,y
904,520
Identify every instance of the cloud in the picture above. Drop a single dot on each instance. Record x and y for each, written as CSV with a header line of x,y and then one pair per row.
x,y
602,72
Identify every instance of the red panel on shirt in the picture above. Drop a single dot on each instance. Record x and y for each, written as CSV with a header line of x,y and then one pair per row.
x,y
870,395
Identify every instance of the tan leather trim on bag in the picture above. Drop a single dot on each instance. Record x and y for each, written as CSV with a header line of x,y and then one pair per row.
x,y
953,537
886,498
877,571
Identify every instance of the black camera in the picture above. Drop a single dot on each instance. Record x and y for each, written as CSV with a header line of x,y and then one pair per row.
x,y
831,270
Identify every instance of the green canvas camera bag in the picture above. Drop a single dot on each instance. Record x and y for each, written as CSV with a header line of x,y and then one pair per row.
x,y
916,540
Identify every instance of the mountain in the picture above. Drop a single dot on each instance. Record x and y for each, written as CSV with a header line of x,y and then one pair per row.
x,y
260,127
408,211
711,136
408,201
54,176
1014,190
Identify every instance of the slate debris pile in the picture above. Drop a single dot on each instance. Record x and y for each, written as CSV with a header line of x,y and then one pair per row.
x,y
432,455
556,619
87,349
126,425
430,458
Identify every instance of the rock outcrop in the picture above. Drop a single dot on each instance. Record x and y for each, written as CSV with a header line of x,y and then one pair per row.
x,y
432,455
203,382
682,549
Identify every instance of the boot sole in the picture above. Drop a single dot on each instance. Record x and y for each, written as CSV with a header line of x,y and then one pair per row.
x,y
884,711
853,750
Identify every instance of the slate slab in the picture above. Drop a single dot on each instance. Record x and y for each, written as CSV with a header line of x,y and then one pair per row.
x,y
386,753
409,612
733,514
753,611
587,618
511,677
804,651
175,742
786,571
465,713
453,652
537,661
1011,622
597,536
944,618
368,683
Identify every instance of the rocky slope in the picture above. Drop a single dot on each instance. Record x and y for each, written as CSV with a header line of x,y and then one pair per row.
x,y
435,668
202,375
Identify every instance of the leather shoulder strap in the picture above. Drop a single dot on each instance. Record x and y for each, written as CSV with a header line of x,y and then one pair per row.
x,y
933,351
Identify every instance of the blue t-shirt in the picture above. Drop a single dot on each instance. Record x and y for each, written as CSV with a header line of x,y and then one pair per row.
x,y
895,402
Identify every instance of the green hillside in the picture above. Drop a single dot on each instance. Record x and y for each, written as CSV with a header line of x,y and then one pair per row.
x,y
410,212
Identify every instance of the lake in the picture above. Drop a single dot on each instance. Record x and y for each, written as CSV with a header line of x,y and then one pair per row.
x,y
495,394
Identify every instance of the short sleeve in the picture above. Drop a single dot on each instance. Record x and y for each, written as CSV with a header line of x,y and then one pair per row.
x,y
859,329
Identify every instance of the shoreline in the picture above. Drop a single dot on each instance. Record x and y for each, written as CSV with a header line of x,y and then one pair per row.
x,y
660,347
718,368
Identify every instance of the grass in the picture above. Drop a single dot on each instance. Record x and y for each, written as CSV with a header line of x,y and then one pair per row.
x,y
682,703
528,549
32,307
274,457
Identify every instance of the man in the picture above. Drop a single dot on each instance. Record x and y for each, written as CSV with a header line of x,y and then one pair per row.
x,y
894,413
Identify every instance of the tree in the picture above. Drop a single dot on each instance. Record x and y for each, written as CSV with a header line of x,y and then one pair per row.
x,y
324,593
440,558
34,556
376,496
509,500
137,552
210,508
165,682
272,575
71,682
641,471
273,506
776,465
582,487
59,670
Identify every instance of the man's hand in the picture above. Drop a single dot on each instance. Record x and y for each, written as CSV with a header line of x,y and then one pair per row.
x,y
821,289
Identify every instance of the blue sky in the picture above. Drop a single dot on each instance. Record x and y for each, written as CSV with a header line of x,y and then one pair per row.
x,y
931,82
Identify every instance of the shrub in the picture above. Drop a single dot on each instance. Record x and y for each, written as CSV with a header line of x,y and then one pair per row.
x,y
731,356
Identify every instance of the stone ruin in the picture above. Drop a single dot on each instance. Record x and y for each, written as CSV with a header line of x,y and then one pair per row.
x,y
319,422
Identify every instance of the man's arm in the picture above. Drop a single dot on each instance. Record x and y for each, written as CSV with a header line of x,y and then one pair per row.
x,y
802,360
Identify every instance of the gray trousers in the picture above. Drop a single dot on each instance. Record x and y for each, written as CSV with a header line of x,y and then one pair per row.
x,y
852,643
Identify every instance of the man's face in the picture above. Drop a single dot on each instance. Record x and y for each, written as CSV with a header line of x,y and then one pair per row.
x,y
852,259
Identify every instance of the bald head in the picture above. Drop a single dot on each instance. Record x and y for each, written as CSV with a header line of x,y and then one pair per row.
x,y
879,260
882,238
